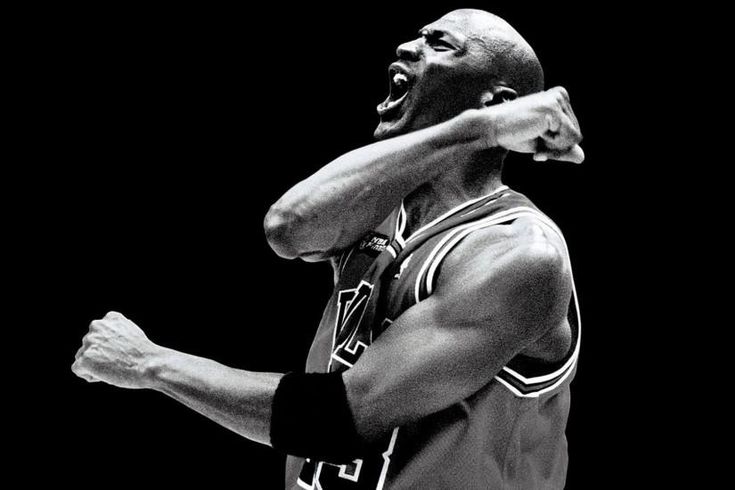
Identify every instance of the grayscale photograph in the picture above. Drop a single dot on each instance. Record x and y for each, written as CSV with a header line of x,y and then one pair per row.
x,y
334,248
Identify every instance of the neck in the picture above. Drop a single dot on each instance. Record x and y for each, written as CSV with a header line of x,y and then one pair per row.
x,y
479,176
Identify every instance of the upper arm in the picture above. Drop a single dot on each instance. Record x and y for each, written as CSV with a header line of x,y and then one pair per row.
x,y
487,308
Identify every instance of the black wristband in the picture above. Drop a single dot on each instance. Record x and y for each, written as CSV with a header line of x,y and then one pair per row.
x,y
311,418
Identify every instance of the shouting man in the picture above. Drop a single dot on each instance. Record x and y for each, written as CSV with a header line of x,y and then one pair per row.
x,y
444,357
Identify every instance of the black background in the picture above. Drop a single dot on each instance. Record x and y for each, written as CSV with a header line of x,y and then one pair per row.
x,y
166,135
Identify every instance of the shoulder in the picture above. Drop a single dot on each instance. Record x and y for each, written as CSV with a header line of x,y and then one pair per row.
x,y
526,248
535,246
514,276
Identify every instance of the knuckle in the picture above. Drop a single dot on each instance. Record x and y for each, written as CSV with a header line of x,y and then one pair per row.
x,y
78,367
554,105
561,93
86,353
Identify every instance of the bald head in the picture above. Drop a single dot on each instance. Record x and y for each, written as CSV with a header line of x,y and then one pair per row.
x,y
467,59
510,59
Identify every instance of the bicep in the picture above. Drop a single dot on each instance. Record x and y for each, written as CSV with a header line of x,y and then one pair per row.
x,y
422,364
447,347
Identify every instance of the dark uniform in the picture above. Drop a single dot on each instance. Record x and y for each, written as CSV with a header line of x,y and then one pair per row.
x,y
509,434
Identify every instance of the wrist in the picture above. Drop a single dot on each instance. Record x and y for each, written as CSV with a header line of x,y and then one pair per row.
x,y
153,366
476,127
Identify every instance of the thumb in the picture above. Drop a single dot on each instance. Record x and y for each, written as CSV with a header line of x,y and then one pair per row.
x,y
574,155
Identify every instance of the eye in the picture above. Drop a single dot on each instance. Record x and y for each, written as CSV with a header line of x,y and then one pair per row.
x,y
440,45
435,40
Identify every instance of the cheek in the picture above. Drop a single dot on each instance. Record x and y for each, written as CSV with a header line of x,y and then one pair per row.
x,y
450,95
454,84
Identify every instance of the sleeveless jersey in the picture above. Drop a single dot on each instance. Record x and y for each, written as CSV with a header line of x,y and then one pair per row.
x,y
509,434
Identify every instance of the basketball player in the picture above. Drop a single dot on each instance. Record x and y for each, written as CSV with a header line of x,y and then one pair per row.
x,y
444,357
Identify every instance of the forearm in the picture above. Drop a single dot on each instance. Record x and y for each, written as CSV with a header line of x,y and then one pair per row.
x,y
356,192
254,405
236,399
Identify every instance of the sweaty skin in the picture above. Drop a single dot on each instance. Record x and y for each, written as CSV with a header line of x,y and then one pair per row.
x,y
441,146
430,154
517,279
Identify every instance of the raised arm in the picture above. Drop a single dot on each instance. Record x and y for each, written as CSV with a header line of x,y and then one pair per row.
x,y
333,208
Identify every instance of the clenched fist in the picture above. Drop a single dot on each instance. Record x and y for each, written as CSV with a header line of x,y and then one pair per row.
x,y
542,123
115,351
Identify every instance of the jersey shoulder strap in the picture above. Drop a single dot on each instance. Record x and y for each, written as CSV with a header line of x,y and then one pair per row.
x,y
525,377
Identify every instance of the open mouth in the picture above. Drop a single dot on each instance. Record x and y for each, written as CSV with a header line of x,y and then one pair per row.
x,y
400,85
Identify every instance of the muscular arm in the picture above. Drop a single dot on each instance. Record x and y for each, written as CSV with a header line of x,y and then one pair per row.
x,y
489,304
333,208
236,399
487,309
117,352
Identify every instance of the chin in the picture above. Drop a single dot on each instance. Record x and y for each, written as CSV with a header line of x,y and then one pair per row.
x,y
383,131
389,129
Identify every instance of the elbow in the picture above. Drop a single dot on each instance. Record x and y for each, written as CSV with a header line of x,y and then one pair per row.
x,y
280,225
293,235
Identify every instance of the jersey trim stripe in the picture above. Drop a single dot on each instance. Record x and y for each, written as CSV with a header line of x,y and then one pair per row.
x,y
452,211
573,358
386,459
483,223
304,485
526,388
493,219
532,394
346,258
401,226
428,271
479,208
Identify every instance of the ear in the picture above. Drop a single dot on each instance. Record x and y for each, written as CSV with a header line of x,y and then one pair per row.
x,y
498,95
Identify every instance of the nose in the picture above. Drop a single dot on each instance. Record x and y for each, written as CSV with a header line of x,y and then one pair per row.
x,y
410,51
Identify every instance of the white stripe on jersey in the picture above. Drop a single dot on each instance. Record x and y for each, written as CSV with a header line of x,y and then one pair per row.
x,y
573,358
304,485
344,264
452,211
386,459
488,220
401,226
439,252
533,394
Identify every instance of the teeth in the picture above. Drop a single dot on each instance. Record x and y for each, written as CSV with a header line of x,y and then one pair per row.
x,y
400,78
399,84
